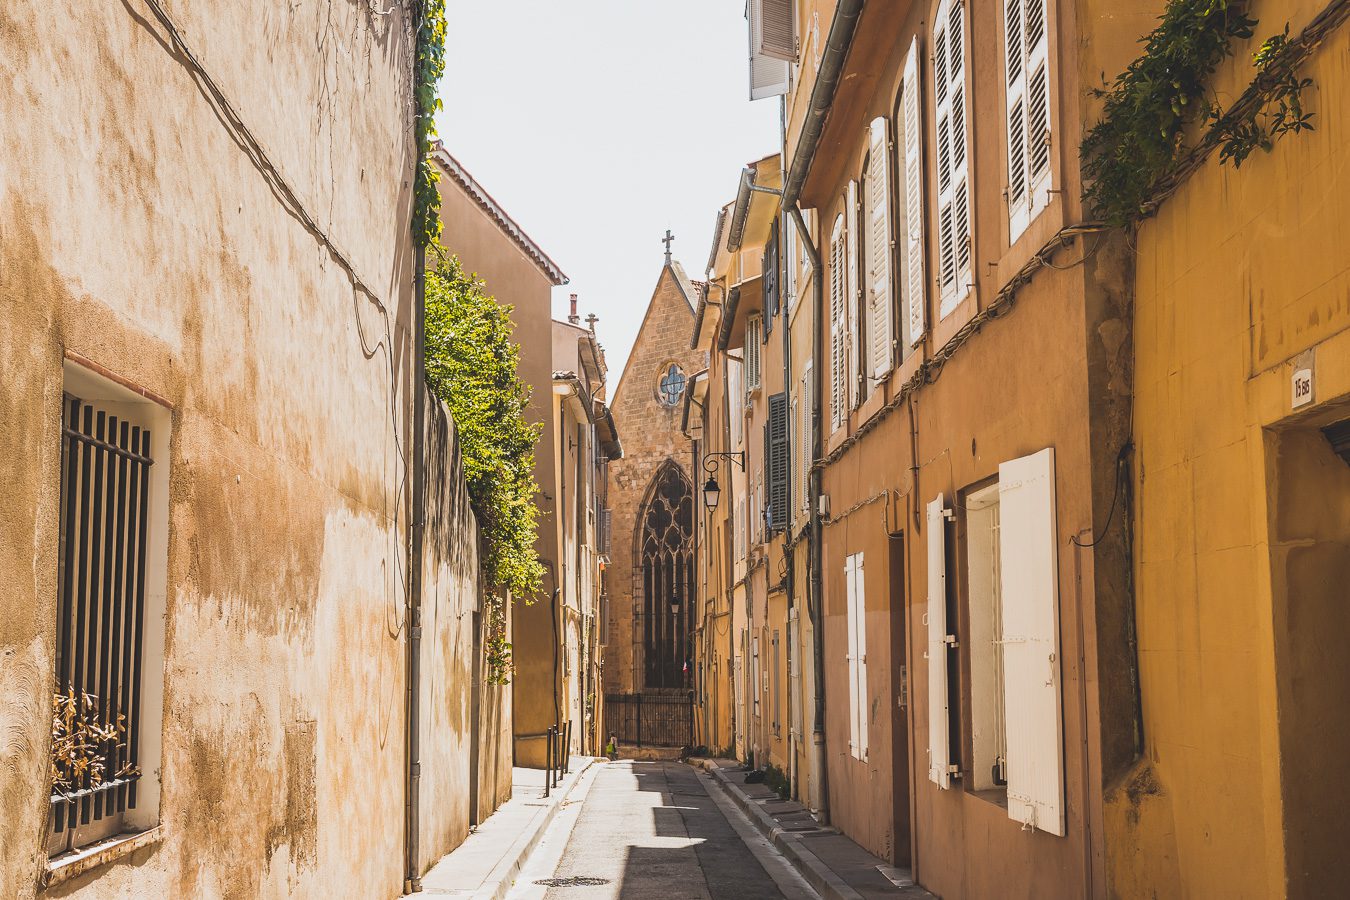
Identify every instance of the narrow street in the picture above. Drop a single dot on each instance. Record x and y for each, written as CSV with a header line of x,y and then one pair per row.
x,y
654,829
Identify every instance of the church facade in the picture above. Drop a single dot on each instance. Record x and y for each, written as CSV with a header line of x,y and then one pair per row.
x,y
653,501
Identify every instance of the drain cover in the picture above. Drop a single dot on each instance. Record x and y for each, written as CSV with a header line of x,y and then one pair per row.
x,y
573,881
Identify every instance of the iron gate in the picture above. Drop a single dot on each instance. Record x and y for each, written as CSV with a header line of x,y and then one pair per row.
x,y
664,719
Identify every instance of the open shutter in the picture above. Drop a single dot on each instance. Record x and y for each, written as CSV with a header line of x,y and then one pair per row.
x,y
1038,105
774,26
1028,89
838,337
770,269
860,622
807,437
939,728
851,294
879,250
916,289
778,462
1028,559
1015,77
854,712
949,94
769,72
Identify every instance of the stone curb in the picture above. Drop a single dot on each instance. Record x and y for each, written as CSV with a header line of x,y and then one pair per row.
x,y
820,876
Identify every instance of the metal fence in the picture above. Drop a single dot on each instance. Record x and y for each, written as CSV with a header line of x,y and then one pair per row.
x,y
652,719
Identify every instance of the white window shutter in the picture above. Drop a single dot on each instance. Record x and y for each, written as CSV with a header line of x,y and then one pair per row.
x,y
879,249
804,457
939,735
769,75
854,713
1028,559
1028,107
951,115
773,25
916,289
1015,80
860,620
1038,106
855,348
838,336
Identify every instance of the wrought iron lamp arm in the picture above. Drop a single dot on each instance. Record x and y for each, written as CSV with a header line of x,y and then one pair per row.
x,y
710,460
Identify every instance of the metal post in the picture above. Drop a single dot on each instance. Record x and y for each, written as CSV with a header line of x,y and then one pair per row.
x,y
557,758
691,718
639,720
548,760
567,750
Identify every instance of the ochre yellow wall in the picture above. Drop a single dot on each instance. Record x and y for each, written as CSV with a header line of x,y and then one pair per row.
x,y
1239,273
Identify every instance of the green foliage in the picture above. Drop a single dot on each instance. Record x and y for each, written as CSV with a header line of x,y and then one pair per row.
x,y
429,66
1164,93
472,365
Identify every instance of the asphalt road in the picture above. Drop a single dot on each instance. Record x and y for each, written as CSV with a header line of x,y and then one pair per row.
x,y
653,829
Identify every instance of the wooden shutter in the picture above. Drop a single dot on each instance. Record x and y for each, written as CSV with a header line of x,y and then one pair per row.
x,y
911,102
773,27
778,462
807,437
860,623
854,349
1028,559
939,733
854,712
769,73
769,266
1028,108
838,337
951,116
879,250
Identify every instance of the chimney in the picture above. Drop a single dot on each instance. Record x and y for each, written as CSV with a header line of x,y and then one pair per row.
x,y
572,317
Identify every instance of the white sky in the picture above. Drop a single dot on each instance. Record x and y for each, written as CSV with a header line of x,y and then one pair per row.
x,y
597,125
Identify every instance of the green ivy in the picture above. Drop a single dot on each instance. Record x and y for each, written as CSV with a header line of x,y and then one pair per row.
x,y
1156,101
472,364
429,66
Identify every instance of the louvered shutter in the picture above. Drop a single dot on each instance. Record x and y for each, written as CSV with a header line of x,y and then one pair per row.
x,y
838,337
854,349
1028,559
939,733
916,289
860,622
949,95
879,250
774,25
807,437
779,462
1028,107
850,622
769,74
770,268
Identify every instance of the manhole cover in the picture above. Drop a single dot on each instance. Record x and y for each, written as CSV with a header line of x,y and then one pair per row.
x,y
573,881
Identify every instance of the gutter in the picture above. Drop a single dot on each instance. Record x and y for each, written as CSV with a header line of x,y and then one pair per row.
x,y
412,824
728,317
741,214
837,45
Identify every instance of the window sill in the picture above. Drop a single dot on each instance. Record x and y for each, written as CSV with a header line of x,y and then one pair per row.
x,y
63,868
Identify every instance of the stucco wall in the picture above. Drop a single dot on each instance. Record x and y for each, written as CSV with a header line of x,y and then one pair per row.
x,y
139,234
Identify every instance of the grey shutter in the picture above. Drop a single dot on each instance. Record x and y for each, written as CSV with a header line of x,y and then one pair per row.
x,y
779,462
773,24
771,281
769,72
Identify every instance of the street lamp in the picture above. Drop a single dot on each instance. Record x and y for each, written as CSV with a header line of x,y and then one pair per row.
x,y
711,490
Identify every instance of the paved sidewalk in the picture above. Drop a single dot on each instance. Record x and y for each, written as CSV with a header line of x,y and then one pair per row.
x,y
487,862
833,864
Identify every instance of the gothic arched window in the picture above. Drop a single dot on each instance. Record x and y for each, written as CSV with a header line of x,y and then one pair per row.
x,y
667,555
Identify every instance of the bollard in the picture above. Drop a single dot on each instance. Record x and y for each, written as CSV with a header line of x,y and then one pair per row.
x,y
548,760
567,748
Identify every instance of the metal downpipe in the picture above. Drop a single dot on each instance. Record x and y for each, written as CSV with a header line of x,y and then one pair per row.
x,y
416,536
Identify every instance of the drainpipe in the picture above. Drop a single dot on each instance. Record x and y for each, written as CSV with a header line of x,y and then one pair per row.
x,y
814,601
413,876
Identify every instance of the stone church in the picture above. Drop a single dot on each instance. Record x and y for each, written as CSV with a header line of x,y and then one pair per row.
x,y
653,499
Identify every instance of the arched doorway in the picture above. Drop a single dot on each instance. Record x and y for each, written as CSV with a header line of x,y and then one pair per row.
x,y
666,555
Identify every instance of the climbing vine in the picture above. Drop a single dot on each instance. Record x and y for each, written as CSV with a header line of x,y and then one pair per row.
x,y
1164,95
428,68
472,364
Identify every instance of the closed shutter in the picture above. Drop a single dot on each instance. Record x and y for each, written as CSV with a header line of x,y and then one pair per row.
x,y
850,622
753,341
951,115
879,250
860,622
778,462
770,69
807,443
855,347
773,23
771,280
838,337
916,290
939,722
1028,107
1028,558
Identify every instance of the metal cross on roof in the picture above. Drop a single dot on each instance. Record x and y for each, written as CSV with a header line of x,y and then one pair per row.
x,y
668,240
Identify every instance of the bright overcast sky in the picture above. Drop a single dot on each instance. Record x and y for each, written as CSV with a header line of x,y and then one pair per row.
x,y
598,124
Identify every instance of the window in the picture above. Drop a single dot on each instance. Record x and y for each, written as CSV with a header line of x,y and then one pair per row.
x,y
754,348
877,297
773,46
670,386
950,115
735,402
838,336
1026,77
909,224
776,449
111,582
856,622
852,292
984,596
805,438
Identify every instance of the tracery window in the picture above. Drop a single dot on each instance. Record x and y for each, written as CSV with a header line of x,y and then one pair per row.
x,y
671,386
668,580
